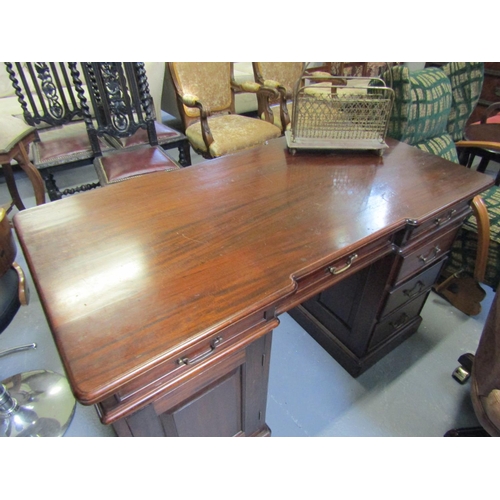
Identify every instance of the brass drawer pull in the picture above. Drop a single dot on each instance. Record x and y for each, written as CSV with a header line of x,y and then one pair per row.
x,y
348,264
440,220
418,288
402,320
433,254
186,361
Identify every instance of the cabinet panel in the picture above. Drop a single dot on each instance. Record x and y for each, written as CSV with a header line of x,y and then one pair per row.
x,y
215,412
348,308
227,400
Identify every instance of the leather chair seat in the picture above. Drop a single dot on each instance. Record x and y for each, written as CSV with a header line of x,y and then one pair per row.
x,y
164,135
123,164
232,133
62,145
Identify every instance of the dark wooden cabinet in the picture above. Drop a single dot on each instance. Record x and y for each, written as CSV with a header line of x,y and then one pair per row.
x,y
227,398
366,315
490,92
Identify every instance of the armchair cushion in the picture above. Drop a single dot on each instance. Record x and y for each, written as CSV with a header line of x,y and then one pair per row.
x,y
466,83
12,130
422,104
232,133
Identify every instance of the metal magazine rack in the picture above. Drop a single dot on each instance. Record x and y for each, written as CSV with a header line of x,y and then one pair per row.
x,y
333,112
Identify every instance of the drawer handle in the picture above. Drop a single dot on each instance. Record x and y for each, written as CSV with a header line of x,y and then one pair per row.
x,y
419,286
348,264
186,361
433,254
440,220
402,320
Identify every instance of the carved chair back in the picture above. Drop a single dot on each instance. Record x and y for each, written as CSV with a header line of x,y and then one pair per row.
x,y
120,100
45,92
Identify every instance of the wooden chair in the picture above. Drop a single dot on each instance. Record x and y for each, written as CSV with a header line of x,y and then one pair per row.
x,y
15,139
283,76
34,403
49,103
205,98
487,130
124,116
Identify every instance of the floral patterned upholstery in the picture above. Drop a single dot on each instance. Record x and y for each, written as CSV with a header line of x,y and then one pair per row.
x,y
284,75
205,95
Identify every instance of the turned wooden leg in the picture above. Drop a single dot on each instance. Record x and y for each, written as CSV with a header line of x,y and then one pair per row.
x,y
12,187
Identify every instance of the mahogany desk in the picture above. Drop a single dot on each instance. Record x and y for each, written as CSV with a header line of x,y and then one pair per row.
x,y
162,291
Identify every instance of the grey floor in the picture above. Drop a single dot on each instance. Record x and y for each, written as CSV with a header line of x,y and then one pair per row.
x,y
408,393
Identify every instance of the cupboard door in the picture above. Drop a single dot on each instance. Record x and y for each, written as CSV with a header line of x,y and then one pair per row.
x,y
227,400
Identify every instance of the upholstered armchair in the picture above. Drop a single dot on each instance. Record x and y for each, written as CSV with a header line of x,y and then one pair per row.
x,y
431,107
282,76
205,98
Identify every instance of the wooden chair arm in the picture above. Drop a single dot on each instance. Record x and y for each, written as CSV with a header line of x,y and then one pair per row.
x,y
479,144
483,237
23,289
490,111
192,101
264,96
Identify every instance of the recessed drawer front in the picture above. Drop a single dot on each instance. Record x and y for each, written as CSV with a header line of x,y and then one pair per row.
x,y
317,281
424,255
445,218
398,320
412,288
184,365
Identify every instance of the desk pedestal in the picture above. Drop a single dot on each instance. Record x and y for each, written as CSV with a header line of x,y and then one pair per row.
x,y
365,316
229,399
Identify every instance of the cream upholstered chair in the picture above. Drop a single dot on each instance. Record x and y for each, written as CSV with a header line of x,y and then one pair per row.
x,y
205,98
283,76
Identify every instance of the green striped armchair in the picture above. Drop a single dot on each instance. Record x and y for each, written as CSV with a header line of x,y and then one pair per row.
x,y
430,111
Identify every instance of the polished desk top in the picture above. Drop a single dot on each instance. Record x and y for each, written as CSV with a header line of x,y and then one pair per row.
x,y
131,273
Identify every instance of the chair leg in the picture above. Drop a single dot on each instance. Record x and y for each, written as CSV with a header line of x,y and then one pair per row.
x,y
12,187
483,164
185,154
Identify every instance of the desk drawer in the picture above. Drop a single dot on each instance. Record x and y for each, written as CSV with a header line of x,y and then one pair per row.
x,y
397,321
449,217
184,365
420,257
310,284
411,288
